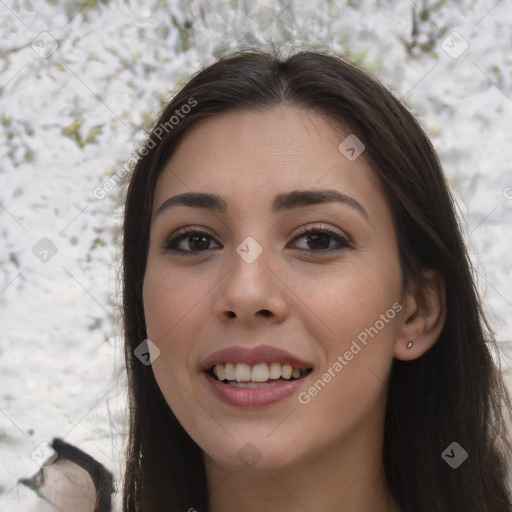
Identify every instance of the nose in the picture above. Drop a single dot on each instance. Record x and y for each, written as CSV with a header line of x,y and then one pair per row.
x,y
251,291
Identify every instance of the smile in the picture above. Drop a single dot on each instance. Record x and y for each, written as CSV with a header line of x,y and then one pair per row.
x,y
258,376
244,375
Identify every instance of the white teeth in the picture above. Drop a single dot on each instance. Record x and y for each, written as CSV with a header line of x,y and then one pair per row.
x,y
274,371
260,373
221,374
286,371
242,372
230,371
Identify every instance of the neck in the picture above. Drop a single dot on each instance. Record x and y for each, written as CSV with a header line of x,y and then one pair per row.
x,y
345,478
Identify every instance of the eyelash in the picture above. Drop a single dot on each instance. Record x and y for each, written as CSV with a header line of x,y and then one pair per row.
x,y
343,242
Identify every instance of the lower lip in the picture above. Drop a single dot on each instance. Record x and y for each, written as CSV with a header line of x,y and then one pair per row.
x,y
253,397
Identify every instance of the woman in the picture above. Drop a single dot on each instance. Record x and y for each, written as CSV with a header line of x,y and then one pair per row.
x,y
302,326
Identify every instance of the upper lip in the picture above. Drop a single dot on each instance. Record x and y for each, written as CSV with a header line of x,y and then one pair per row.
x,y
254,355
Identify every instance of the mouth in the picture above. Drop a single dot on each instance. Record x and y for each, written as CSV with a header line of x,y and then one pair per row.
x,y
255,376
261,375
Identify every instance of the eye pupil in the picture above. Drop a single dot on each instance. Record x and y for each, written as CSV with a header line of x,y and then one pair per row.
x,y
195,238
316,236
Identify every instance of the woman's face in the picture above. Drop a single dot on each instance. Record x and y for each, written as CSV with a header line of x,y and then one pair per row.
x,y
254,285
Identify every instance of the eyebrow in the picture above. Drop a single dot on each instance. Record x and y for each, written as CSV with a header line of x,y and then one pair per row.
x,y
286,201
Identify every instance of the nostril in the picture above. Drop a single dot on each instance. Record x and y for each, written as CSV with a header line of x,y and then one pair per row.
x,y
231,314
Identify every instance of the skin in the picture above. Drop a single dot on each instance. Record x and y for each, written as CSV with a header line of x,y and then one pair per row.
x,y
324,455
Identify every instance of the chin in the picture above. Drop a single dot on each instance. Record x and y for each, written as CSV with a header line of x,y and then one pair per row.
x,y
255,454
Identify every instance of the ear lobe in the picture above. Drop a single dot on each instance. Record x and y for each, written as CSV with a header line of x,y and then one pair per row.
x,y
423,317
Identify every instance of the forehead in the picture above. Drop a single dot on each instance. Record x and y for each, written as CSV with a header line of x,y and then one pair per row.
x,y
250,156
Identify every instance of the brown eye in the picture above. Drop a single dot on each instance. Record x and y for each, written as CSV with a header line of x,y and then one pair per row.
x,y
190,241
320,240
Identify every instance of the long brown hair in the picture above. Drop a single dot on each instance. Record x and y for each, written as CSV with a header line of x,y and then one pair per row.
x,y
452,393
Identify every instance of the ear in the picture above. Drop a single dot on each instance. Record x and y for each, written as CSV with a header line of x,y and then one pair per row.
x,y
422,318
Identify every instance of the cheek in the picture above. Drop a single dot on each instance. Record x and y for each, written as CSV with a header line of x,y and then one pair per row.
x,y
169,297
360,311
346,301
168,307
168,304
158,297
174,315
176,307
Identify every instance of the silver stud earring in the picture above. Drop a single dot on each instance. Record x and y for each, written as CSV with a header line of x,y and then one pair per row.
x,y
409,345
